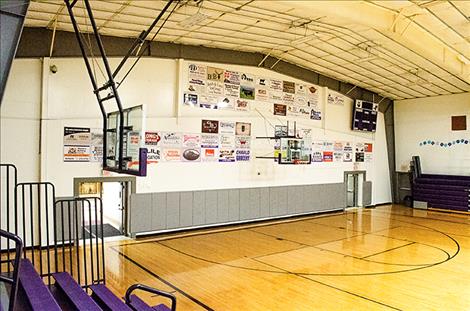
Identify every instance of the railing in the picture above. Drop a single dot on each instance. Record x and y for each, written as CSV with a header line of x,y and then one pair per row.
x,y
34,214
79,239
145,288
64,235
11,277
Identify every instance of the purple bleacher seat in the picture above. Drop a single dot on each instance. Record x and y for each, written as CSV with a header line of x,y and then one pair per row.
x,y
107,300
139,305
161,307
74,293
38,295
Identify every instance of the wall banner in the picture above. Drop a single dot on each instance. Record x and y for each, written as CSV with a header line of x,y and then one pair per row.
x,y
76,144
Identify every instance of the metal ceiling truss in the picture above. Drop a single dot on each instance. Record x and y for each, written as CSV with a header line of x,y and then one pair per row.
x,y
331,43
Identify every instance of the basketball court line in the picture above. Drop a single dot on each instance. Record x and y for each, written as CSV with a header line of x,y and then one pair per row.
x,y
166,282
307,276
330,286
355,257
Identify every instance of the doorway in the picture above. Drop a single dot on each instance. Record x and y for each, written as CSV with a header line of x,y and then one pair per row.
x,y
114,193
354,185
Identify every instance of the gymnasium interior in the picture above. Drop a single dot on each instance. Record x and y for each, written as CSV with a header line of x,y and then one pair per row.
x,y
234,155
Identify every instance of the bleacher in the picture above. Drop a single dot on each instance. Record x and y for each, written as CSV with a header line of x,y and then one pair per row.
x,y
440,191
50,261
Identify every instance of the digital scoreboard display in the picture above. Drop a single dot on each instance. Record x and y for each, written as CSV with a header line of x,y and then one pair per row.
x,y
365,116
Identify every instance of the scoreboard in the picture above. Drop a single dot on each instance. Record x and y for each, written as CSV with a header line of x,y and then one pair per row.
x,y
365,116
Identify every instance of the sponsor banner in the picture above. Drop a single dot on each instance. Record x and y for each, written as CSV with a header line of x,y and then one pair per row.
x,y
327,156
280,110
96,145
317,145
247,80
275,85
232,77
153,154
304,112
300,101
232,90
288,87
227,141
210,126
262,95
76,153
209,154
328,145
347,156
208,102
317,156
247,92
242,105
335,99
197,72
226,127
243,128
209,141
199,88
171,139
215,88
191,155
215,74
338,156
77,136
242,155
315,115
304,133
276,96
227,155
359,156
347,147
288,99
190,99
242,142
293,111
300,89
191,141
227,103
312,91
338,146
152,138
359,147
262,83
171,154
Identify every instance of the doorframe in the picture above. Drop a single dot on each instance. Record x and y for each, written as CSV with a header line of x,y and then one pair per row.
x,y
127,179
364,179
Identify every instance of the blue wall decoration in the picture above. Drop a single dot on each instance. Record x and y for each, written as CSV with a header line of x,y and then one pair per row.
x,y
443,144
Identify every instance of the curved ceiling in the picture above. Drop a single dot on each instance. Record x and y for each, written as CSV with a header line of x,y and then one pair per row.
x,y
398,49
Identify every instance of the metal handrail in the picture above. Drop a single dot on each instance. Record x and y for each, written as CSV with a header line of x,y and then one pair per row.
x,y
16,265
152,290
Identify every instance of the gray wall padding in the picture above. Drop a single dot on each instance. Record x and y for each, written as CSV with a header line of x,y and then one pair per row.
x,y
152,212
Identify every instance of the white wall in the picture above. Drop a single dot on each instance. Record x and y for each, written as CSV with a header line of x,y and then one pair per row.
x,y
419,120
19,119
157,83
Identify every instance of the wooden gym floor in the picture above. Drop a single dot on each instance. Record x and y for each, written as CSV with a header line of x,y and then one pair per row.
x,y
387,258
